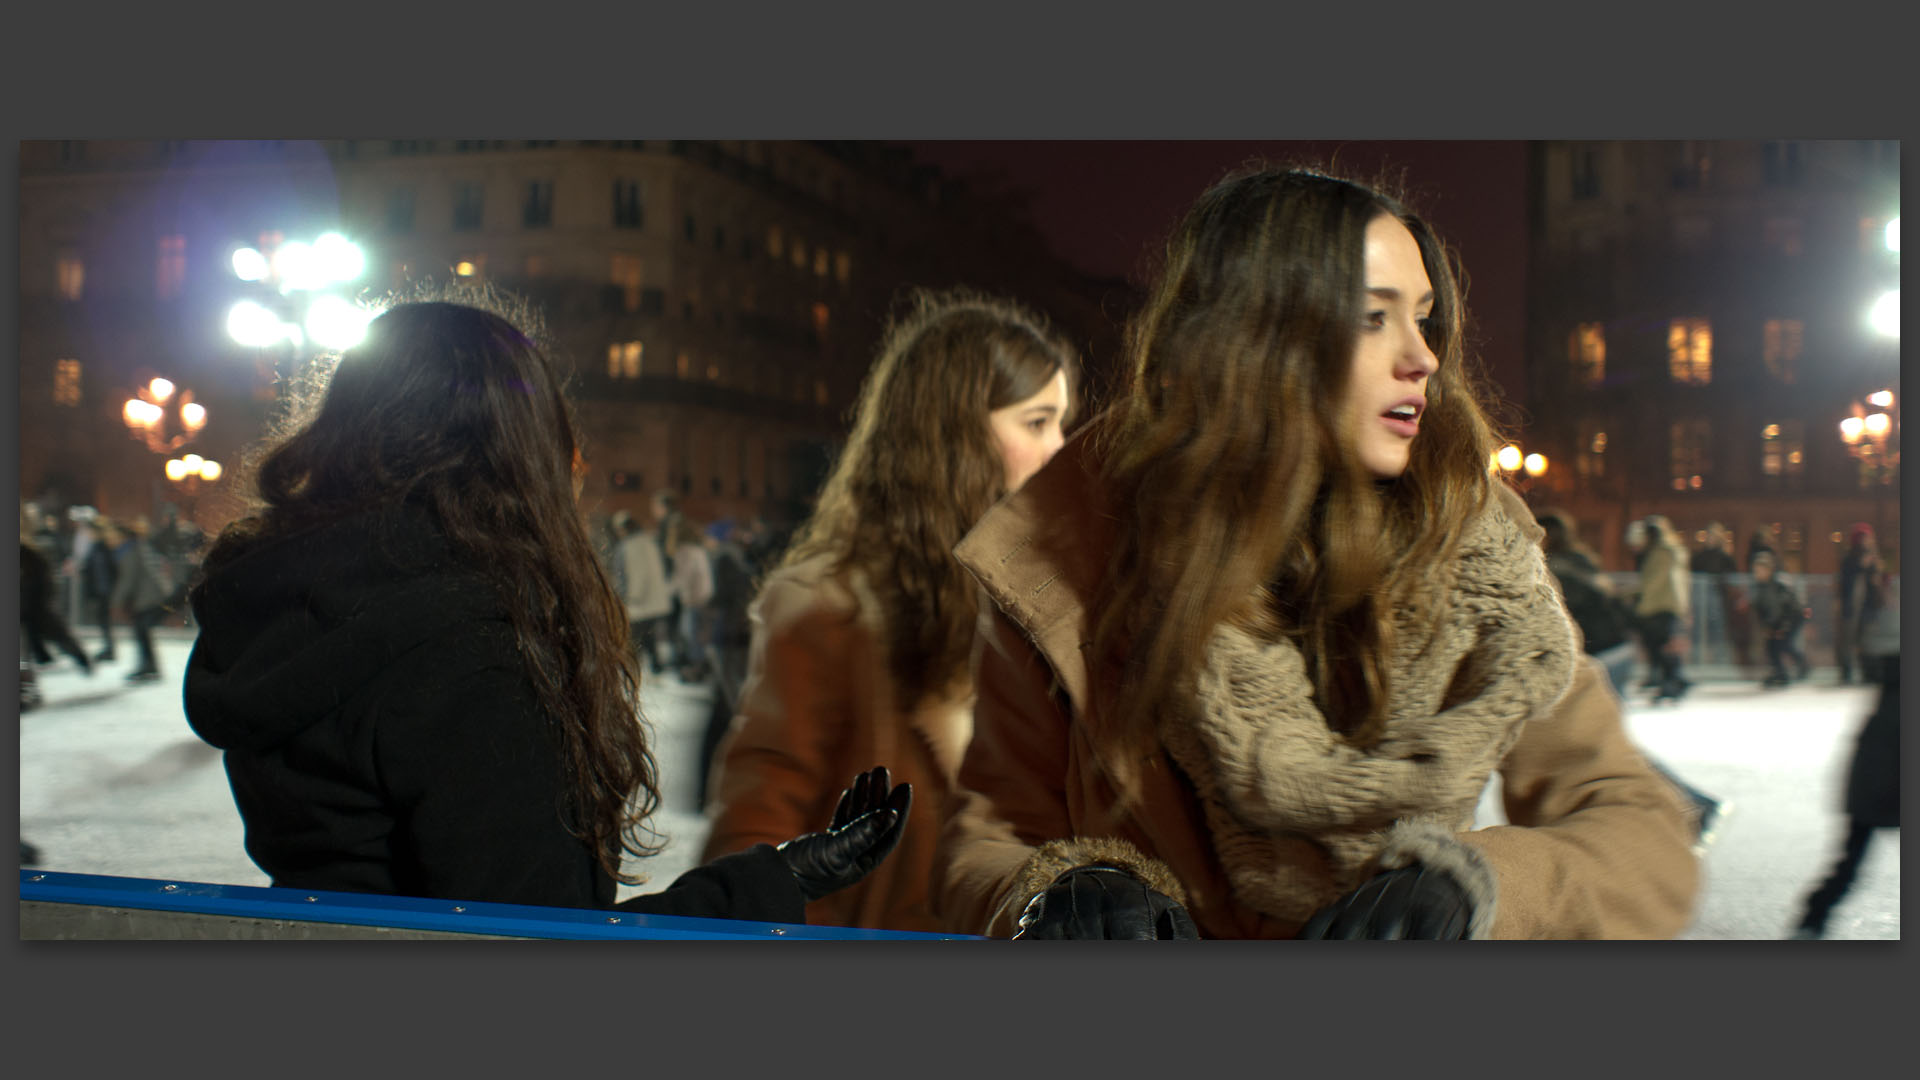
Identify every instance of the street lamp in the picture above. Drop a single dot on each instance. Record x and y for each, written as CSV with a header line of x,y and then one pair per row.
x,y
145,415
1871,436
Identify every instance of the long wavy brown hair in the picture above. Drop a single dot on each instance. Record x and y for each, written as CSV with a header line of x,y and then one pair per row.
x,y
458,408
920,467
1240,499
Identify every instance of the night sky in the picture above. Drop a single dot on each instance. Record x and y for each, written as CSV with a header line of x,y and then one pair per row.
x,y
1107,206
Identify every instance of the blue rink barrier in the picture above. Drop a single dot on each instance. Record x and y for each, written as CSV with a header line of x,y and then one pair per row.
x,y
55,905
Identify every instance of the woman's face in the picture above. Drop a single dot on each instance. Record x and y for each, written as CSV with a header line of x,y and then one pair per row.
x,y
1028,432
1386,387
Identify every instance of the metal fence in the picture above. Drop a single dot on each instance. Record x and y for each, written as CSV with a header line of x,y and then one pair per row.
x,y
1723,639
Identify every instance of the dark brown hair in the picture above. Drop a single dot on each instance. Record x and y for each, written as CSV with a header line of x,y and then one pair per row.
x,y
1239,497
920,467
454,408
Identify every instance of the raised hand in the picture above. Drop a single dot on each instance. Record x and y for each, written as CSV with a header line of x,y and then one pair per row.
x,y
865,829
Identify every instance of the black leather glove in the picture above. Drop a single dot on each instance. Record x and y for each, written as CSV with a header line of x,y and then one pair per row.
x,y
1104,903
866,827
1413,902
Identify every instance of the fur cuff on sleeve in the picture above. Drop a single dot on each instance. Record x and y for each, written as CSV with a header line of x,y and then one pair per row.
x,y
1433,846
1056,857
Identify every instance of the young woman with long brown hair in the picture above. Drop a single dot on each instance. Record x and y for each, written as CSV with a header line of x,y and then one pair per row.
x,y
417,666
862,637
1265,631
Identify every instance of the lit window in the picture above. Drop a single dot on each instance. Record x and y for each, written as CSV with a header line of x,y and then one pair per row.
x,y
713,372
170,275
1783,235
70,274
774,242
1588,351
66,382
682,364
626,274
842,267
1783,454
820,262
1781,341
630,354
798,250
1591,461
1691,442
1690,351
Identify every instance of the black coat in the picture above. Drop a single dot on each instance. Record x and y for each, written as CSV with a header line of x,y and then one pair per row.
x,y
382,733
1873,777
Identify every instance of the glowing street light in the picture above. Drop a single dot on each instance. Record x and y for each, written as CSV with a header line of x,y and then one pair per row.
x,y
1508,457
252,325
1885,315
1893,236
193,416
1881,398
1851,428
250,265
335,258
334,323
1536,464
1876,424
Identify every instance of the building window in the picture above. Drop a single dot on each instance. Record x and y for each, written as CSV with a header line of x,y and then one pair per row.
x,y
626,204
682,364
70,275
170,273
798,250
819,314
626,275
1586,172
713,375
471,266
1691,233
623,359
820,260
1692,165
1781,163
842,267
1690,460
1587,349
66,382
688,227
1783,453
1783,235
468,204
400,210
1781,341
774,248
1690,351
1590,462
538,212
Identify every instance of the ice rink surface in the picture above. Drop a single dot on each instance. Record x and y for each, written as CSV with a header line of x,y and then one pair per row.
x,y
112,781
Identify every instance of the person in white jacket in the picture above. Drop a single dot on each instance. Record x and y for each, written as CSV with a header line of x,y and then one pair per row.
x,y
693,584
647,594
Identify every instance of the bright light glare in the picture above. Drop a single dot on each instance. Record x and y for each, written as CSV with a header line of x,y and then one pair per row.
x,y
252,325
1885,316
1508,458
249,265
336,258
176,469
1536,464
336,324
140,413
463,268
193,415
161,389
1882,398
1893,236
193,462
210,471
296,267
1850,428
1877,423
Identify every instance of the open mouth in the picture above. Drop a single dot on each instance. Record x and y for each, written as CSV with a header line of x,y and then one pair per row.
x,y
1408,413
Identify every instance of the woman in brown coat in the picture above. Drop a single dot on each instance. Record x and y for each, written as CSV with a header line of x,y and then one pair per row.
x,y
1264,632
862,637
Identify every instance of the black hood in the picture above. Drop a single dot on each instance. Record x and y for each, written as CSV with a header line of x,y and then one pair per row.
x,y
292,629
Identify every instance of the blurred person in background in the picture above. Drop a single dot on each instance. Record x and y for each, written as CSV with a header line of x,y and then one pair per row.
x,y
1872,799
1264,632
1724,607
644,588
143,582
734,580
665,507
1779,613
863,636
98,576
692,585
1859,600
1663,608
40,624
1761,542
418,669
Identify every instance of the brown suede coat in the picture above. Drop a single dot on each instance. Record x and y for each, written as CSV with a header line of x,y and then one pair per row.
x,y
817,708
1599,846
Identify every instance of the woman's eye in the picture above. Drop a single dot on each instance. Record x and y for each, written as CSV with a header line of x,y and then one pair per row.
x,y
1037,426
1375,320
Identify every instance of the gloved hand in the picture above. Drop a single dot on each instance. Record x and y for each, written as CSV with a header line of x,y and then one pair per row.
x,y
1413,902
1104,903
866,827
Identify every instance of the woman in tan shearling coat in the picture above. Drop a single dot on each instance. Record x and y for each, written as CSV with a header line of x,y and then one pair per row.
x,y
1263,634
863,637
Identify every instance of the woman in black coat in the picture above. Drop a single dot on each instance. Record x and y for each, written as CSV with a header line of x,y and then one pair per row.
x,y
418,669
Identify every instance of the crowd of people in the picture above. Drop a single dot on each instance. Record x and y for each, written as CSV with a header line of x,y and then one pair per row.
x,y
1236,656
